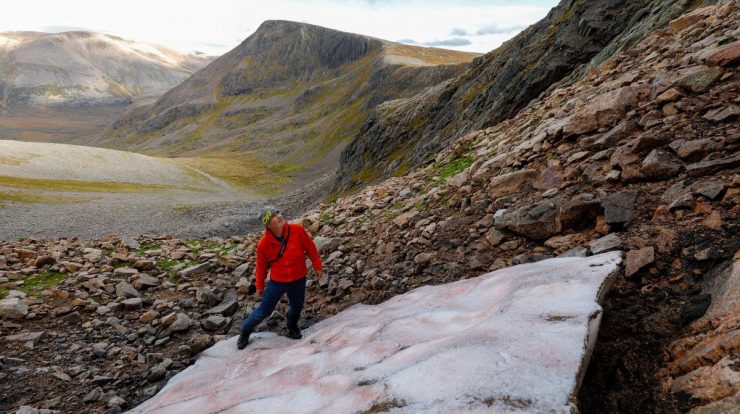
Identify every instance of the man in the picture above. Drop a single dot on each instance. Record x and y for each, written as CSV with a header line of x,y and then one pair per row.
x,y
282,250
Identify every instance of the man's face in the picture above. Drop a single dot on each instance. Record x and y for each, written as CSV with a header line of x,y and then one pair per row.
x,y
277,221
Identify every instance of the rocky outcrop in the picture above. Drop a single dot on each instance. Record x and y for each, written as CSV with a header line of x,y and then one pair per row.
x,y
410,132
83,68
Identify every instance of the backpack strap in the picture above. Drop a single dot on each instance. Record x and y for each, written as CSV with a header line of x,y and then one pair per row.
x,y
283,244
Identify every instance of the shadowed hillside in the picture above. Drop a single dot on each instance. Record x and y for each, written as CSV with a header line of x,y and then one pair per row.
x,y
497,85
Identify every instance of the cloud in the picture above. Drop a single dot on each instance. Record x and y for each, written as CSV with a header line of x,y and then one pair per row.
x,y
499,29
458,32
455,41
60,29
408,41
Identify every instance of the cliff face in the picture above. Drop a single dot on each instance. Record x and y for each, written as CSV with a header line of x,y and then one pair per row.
x,y
83,68
291,96
409,132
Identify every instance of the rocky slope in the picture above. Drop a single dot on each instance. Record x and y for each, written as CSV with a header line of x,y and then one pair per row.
x,y
639,154
84,68
408,132
291,95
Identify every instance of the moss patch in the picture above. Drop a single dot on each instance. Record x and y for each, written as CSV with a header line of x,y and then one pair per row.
x,y
454,167
35,284
85,186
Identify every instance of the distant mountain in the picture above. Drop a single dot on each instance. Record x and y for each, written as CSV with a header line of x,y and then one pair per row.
x,y
84,68
290,97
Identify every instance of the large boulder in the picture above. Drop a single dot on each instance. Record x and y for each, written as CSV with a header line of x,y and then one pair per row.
x,y
606,109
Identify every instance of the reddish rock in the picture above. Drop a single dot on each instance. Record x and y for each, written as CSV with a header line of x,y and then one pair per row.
x,y
637,259
604,110
728,55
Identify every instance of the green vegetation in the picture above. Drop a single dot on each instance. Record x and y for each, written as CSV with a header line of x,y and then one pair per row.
x,y
455,166
36,283
22,197
149,247
166,263
85,186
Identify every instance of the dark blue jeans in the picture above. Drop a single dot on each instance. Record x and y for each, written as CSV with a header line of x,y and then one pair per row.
x,y
296,295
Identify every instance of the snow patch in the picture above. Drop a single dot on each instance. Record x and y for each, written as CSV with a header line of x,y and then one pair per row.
x,y
515,340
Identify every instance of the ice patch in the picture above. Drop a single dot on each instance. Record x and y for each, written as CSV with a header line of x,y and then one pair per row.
x,y
515,340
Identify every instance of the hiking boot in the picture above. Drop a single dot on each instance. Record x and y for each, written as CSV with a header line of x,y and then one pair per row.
x,y
294,332
243,340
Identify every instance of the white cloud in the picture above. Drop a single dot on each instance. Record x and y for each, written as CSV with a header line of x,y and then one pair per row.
x,y
216,26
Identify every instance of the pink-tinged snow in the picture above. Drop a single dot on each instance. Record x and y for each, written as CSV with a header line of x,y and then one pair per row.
x,y
515,340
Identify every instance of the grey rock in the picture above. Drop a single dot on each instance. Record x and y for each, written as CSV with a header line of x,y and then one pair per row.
x,y
125,290
181,323
93,396
125,272
605,244
579,251
344,284
130,242
241,270
659,165
199,268
529,258
619,208
27,409
710,189
225,308
325,244
132,303
156,373
13,308
708,167
100,349
144,281
538,222
116,401
26,336
214,322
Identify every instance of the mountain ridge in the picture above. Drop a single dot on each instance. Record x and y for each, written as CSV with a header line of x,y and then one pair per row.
x,y
290,97
81,68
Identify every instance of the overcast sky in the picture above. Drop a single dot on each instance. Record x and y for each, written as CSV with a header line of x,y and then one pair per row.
x,y
216,26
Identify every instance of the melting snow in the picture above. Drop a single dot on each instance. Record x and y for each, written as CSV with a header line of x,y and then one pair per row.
x,y
515,340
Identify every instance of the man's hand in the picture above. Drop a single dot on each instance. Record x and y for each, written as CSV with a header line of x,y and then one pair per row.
x,y
319,273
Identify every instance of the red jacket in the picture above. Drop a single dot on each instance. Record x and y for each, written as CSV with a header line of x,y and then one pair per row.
x,y
292,265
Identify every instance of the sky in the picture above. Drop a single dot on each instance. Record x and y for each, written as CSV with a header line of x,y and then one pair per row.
x,y
217,26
